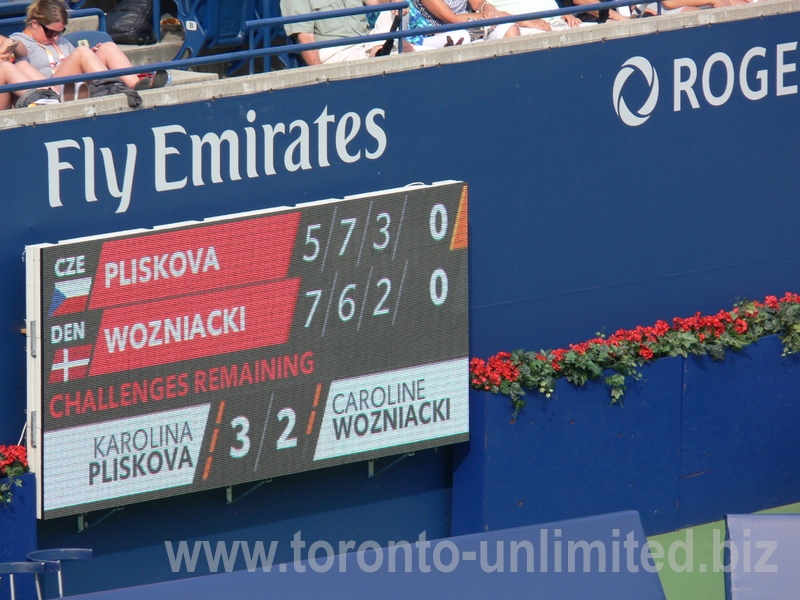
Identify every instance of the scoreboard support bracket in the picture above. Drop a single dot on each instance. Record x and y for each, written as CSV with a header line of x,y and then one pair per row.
x,y
83,524
229,499
371,465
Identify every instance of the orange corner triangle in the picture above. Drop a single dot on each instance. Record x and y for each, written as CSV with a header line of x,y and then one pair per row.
x,y
460,237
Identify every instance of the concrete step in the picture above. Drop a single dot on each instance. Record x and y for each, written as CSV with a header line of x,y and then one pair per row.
x,y
163,51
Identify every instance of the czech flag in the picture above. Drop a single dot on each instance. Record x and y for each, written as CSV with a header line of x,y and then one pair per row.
x,y
70,296
70,363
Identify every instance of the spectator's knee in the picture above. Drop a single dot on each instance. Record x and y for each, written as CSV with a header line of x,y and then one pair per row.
x,y
81,51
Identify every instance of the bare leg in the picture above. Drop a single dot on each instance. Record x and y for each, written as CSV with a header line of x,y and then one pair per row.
x,y
84,60
114,58
11,73
536,24
28,70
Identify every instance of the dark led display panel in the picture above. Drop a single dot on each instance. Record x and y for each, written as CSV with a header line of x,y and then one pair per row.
x,y
241,348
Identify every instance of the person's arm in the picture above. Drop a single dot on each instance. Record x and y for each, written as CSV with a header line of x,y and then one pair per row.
x,y
440,10
536,24
310,57
486,8
670,4
6,51
21,49
303,32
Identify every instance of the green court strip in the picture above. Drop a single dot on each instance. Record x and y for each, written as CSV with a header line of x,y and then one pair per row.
x,y
691,559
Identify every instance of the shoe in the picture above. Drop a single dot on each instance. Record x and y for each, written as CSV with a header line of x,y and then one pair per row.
x,y
38,97
152,80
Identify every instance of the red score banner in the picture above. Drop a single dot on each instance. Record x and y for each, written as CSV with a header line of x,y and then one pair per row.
x,y
185,328
193,260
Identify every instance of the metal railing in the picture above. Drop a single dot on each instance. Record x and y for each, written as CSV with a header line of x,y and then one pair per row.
x,y
258,25
245,55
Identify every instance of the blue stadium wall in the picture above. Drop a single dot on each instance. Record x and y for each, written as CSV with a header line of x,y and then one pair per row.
x,y
578,222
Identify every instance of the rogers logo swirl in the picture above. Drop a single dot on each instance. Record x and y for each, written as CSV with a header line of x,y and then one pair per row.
x,y
629,117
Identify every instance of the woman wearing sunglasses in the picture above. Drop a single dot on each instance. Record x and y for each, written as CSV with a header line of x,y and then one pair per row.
x,y
44,47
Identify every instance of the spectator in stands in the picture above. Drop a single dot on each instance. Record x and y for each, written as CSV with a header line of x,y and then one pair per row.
x,y
414,20
674,6
522,7
688,5
439,12
338,28
621,14
11,72
42,45
597,16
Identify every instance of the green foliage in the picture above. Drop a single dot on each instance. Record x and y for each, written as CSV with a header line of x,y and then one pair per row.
x,y
616,359
5,489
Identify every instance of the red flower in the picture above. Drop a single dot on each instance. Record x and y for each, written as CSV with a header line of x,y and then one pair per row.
x,y
641,342
492,373
791,298
13,458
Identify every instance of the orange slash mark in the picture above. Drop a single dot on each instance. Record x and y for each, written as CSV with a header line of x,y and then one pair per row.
x,y
208,467
316,396
219,412
313,412
213,440
460,238
311,422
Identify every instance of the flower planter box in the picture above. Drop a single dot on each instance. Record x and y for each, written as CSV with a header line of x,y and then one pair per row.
x,y
18,534
693,441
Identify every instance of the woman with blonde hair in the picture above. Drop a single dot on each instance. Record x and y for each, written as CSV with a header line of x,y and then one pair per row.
x,y
44,47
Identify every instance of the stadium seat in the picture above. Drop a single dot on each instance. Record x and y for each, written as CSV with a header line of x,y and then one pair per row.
x,y
88,38
32,567
17,8
762,552
56,556
12,15
13,9
208,24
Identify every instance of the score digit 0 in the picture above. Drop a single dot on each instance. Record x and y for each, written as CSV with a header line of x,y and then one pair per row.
x,y
438,225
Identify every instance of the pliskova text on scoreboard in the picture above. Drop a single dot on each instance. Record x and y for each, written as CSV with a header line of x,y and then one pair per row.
x,y
249,346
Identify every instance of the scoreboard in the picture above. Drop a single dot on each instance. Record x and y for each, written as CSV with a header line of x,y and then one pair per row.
x,y
239,348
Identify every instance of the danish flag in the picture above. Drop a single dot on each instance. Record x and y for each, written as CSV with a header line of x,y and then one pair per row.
x,y
70,363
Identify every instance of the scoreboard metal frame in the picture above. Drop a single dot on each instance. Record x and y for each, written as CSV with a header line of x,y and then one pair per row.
x,y
212,353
